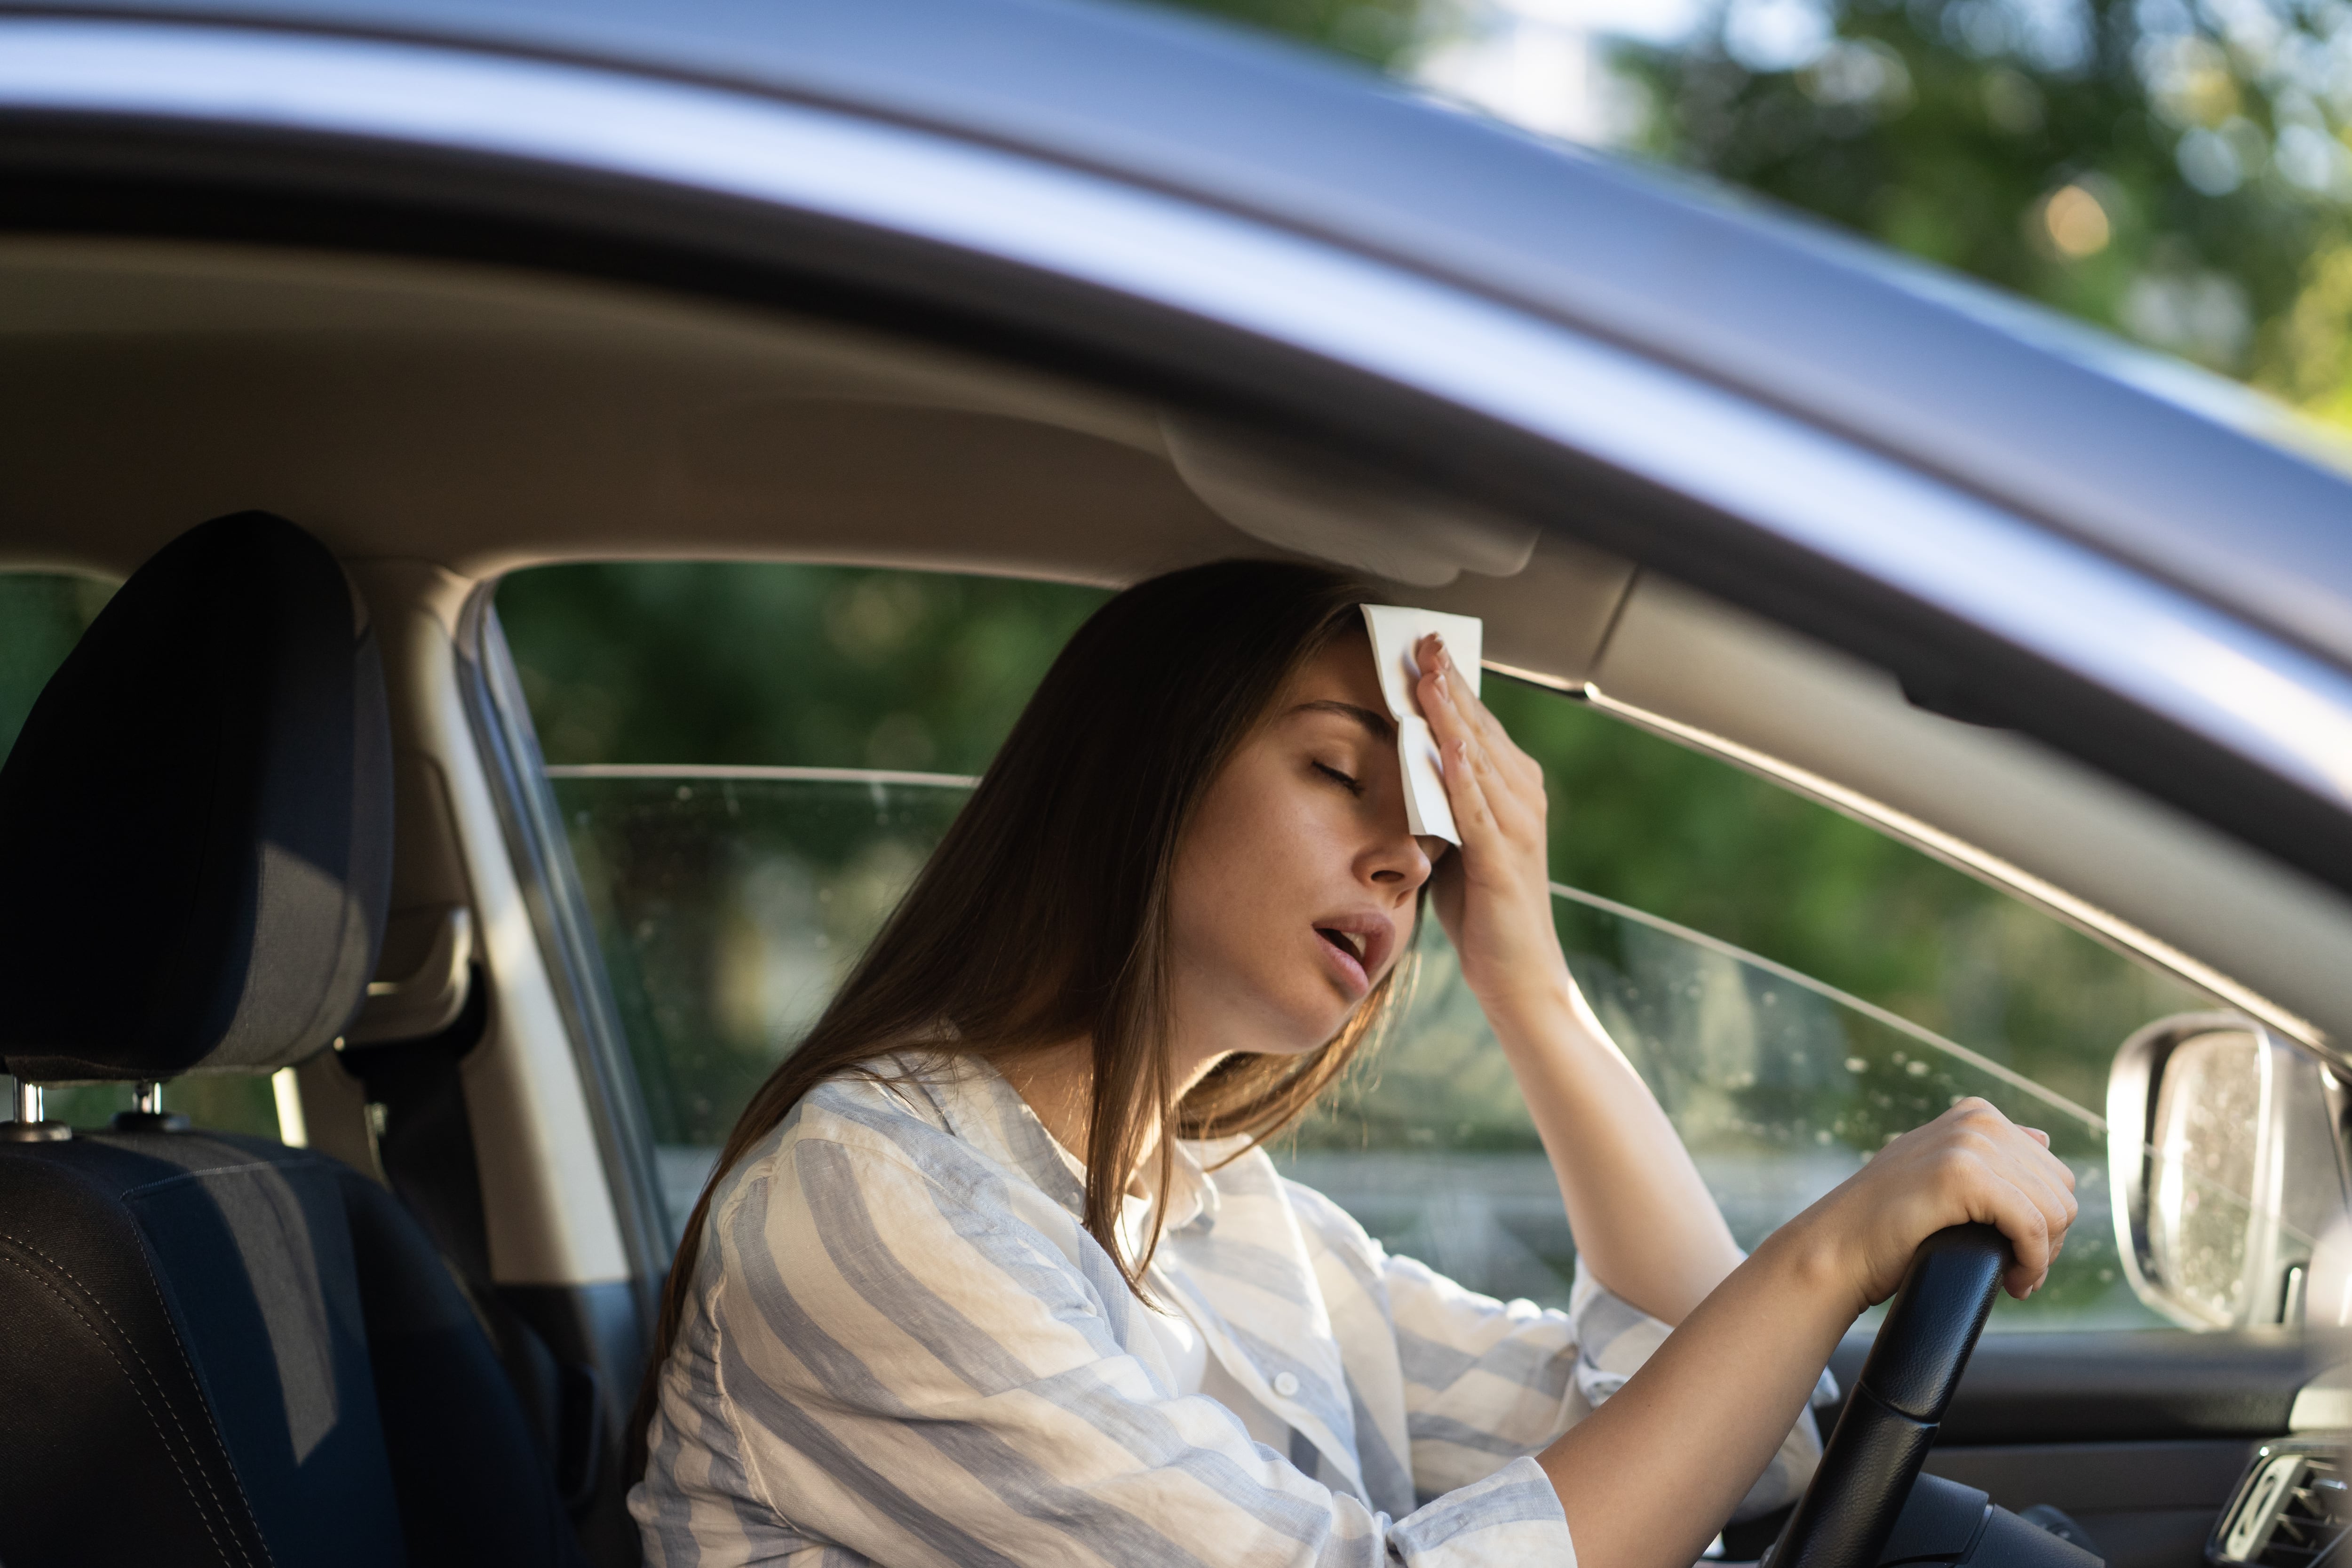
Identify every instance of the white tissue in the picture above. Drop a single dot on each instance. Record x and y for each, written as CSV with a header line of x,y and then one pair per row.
x,y
1395,630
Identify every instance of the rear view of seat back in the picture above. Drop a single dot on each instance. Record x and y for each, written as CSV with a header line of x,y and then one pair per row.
x,y
216,1349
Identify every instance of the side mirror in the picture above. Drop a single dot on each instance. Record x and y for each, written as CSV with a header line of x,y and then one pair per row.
x,y
2225,1170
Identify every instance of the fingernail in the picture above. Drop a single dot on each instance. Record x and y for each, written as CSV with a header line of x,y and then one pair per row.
x,y
1442,694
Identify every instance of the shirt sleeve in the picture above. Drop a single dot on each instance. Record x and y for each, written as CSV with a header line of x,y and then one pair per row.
x,y
1486,1381
891,1356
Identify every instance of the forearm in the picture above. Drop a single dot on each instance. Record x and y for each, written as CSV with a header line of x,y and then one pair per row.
x,y
1651,1476
1645,1225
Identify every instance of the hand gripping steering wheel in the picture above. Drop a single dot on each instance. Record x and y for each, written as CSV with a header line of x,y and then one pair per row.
x,y
1890,1420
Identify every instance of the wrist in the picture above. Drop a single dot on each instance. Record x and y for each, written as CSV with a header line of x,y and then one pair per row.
x,y
1810,1255
1532,1010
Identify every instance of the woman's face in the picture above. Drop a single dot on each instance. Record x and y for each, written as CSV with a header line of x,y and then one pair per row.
x,y
1294,888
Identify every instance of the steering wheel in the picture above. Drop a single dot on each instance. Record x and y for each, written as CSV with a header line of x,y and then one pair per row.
x,y
1890,1419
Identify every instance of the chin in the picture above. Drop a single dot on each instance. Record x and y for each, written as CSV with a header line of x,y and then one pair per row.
x,y
1314,1029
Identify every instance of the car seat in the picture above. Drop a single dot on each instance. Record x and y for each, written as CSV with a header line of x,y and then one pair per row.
x,y
214,1349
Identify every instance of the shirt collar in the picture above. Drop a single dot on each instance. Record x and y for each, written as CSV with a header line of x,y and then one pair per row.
x,y
977,1104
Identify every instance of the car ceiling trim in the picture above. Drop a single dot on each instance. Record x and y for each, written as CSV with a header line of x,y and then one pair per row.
x,y
2285,710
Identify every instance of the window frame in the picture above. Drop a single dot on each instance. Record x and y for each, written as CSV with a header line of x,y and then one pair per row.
x,y
532,823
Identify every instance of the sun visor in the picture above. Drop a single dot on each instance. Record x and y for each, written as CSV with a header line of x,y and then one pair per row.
x,y
1316,506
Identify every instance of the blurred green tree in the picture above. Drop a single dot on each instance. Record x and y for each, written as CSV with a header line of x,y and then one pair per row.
x,y
1377,32
42,616
2171,172
831,667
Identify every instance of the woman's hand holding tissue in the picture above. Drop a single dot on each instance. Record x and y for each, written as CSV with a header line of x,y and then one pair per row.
x,y
1492,895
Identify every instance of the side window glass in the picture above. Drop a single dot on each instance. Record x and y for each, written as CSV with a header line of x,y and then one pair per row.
x,y
1796,988
42,616
751,762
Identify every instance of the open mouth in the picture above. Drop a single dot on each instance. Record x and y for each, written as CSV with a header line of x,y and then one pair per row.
x,y
1351,955
1350,943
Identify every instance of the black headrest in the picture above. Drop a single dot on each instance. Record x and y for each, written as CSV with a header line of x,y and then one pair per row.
x,y
195,824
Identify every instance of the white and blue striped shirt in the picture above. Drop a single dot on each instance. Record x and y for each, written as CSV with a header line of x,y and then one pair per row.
x,y
904,1348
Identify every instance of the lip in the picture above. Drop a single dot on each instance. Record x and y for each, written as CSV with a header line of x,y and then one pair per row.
x,y
1378,934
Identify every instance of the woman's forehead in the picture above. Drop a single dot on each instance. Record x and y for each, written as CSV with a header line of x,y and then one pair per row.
x,y
1340,668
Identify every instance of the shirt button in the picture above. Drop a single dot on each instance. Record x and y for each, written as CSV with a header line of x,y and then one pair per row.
x,y
1285,1383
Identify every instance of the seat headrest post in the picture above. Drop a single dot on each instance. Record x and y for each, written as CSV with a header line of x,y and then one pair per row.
x,y
147,1113
32,1125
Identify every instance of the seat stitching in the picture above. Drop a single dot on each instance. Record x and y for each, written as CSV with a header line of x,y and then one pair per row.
x,y
238,1481
181,1349
181,1470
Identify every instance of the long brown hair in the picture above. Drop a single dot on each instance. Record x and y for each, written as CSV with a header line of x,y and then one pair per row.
x,y
1043,915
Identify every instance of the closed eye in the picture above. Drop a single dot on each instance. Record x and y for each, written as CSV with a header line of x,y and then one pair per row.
x,y
1344,781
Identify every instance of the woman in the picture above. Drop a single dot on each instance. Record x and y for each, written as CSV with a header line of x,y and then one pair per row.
x,y
993,1271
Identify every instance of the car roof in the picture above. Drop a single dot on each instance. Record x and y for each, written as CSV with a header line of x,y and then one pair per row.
x,y
2179,473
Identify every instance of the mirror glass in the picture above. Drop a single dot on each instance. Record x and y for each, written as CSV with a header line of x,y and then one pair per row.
x,y
2205,1143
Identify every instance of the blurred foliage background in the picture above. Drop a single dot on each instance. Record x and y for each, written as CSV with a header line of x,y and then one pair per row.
x,y
2174,171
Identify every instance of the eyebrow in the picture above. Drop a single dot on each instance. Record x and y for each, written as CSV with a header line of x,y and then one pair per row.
x,y
1376,723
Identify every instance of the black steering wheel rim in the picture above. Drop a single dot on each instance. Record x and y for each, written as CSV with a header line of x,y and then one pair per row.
x,y
1893,1411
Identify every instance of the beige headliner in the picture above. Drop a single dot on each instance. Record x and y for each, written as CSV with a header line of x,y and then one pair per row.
x,y
482,421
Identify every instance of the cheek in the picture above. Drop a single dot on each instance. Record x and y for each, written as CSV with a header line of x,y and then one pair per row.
x,y
1222,874
1248,871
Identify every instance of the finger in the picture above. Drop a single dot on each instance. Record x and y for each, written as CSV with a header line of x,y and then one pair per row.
x,y
2047,1171
2037,1184
1474,813
2026,1226
2007,1189
1438,665
2046,1192
1467,769
1480,718
1517,812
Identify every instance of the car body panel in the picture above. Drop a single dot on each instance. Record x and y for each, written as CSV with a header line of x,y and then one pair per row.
x,y
2069,428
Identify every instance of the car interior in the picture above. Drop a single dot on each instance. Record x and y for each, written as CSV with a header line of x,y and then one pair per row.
x,y
415,1336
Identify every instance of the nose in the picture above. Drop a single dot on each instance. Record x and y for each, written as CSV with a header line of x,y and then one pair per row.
x,y
1400,863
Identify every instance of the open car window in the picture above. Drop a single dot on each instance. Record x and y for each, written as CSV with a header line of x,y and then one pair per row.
x,y
751,763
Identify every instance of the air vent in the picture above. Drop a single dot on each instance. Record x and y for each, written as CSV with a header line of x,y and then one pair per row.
x,y
2310,1519
2289,1511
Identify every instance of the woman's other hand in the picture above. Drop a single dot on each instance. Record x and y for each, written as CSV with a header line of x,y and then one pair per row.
x,y
1716,1399
1494,896
1969,1164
